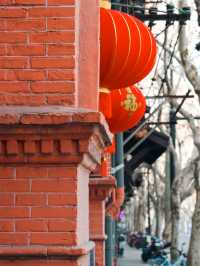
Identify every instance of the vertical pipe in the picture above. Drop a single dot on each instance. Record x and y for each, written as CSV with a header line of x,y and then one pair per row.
x,y
118,164
109,241
108,231
119,160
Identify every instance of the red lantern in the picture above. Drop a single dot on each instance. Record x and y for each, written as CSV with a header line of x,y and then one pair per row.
x,y
128,49
128,107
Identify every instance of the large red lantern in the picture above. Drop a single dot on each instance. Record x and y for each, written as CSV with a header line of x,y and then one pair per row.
x,y
128,107
128,49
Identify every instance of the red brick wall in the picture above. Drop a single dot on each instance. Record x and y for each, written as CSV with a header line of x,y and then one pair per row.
x,y
97,217
38,206
44,56
44,205
39,263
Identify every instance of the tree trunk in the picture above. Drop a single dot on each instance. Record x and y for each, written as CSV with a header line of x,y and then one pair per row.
x,y
175,203
130,213
194,250
159,220
167,232
135,217
167,203
140,214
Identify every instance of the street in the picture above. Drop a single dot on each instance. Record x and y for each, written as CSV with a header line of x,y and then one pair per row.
x,y
131,257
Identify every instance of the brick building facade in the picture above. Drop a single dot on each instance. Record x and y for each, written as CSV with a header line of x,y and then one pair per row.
x,y
51,134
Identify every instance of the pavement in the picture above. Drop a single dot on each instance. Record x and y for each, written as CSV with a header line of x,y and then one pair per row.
x,y
131,258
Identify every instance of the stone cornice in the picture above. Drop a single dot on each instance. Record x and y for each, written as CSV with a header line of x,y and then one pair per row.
x,y
72,142
54,115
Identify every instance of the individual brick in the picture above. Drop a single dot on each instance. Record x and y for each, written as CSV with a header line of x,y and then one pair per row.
x,y
14,87
67,100
14,185
62,172
61,226
7,199
61,74
54,237
31,100
48,185
60,23
13,37
36,24
30,2
29,225
31,172
53,212
53,37
14,212
51,12
62,199
7,12
13,238
6,226
53,62
33,199
26,50
7,172
61,49
52,87
13,62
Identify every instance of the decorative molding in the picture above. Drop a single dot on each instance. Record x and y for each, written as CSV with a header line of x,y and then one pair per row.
x,y
100,238
101,187
60,144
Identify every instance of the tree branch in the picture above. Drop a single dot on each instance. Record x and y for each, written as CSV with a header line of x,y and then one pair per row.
x,y
190,69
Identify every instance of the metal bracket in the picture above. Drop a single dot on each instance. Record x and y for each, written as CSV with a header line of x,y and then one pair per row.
x,y
114,170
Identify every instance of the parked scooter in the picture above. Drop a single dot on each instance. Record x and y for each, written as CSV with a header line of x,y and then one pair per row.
x,y
137,240
155,249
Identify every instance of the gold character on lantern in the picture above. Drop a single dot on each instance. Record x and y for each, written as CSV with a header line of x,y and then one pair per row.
x,y
130,104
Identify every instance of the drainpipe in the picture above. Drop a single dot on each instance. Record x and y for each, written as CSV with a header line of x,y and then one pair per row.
x,y
118,172
109,232
109,241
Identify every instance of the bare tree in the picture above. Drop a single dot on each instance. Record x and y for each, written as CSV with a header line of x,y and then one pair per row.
x,y
194,78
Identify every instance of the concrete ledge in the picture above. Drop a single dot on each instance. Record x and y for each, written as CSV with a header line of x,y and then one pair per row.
x,y
54,116
44,252
98,237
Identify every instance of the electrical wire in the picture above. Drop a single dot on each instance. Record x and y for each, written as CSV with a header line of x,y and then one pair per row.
x,y
162,31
